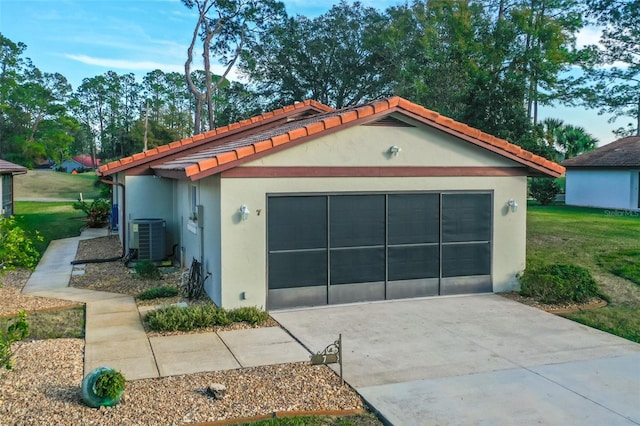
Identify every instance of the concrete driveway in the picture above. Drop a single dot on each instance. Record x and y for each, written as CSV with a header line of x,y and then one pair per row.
x,y
476,360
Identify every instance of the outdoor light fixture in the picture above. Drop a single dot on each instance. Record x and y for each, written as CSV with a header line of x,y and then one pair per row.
x,y
512,205
394,150
244,212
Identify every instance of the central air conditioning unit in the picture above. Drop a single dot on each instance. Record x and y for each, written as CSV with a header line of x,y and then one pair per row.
x,y
148,238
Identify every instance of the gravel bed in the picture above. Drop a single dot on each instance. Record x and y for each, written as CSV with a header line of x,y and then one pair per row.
x,y
12,300
44,387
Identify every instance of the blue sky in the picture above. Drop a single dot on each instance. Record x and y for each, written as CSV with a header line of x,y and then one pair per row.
x,y
86,38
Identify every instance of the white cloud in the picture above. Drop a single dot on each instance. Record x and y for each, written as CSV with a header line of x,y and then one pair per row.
x,y
588,36
124,64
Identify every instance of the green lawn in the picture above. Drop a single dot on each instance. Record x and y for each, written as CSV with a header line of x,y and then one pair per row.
x,y
47,184
52,220
583,236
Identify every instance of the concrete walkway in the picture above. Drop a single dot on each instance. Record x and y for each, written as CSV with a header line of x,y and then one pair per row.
x,y
115,337
483,360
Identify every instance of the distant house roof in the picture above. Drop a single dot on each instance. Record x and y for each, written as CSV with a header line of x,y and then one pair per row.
x,y
7,168
87,161
227,147
624,152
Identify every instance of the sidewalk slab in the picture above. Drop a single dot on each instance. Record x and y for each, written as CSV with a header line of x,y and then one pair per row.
x,y
263,346
191,353
619,376
504,397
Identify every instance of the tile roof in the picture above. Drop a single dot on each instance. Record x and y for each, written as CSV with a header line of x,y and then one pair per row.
x,y
10,168
624,152
86,160
192,143
219,155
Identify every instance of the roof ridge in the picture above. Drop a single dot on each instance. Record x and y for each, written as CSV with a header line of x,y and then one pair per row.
x,y
187,142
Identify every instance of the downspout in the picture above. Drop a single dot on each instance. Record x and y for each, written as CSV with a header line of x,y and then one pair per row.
x,y
124,211
124,231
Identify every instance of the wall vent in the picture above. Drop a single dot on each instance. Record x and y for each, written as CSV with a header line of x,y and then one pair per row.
x,y
148,237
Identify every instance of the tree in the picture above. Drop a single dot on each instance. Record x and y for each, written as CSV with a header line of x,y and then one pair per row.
x,y
335,58
565,140
225,28
617,73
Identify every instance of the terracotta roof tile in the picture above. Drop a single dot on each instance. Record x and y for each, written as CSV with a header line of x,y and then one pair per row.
x,y
394,101
226,157
349,116
245,151
280,139
365,111
330,122
192,170
316,127
297,133
208,163
263,145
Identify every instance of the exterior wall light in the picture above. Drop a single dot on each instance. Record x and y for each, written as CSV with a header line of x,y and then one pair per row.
x,y
512,205
244,212
394,150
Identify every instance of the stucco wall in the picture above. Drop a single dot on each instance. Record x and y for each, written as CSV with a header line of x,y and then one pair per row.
x,y
617,189
369,146
153,198
244,242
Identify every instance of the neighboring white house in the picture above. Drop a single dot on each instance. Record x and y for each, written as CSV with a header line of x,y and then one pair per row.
x,y
308,205
7,171
607,177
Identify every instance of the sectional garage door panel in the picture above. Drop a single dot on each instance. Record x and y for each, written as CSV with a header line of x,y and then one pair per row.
x,y
466,217
357,220
341,248
414,262
297,223
414,218
297,269
460,260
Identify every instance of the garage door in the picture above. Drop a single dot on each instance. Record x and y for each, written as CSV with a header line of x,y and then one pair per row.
x,y
341,248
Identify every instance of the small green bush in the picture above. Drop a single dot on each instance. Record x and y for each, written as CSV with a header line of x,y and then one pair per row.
x,y
249,314
17,330
147,270
97,212
544,190
16,245
110,384
556,283
158,292
175,318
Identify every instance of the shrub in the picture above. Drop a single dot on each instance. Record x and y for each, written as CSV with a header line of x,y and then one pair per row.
x,y
16,246
110,384
175,318
544,190
17,330
147,270
556,283
158,292
97,212
249,314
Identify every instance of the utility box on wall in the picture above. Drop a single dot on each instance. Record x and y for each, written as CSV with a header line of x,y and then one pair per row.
x,y
148,237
